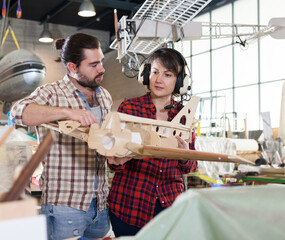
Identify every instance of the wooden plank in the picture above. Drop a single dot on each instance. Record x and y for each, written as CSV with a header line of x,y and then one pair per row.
x,y
271,170
6,135
183,154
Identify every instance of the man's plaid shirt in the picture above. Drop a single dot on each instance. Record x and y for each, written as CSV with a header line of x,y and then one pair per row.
x,y
69,168
138,184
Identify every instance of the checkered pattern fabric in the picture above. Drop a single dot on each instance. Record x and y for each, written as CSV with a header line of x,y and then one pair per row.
x,y
139,183
70,166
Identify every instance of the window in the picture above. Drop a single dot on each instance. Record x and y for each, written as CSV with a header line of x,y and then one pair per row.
x,y
272,59
246,81
246,105
201,73
270,101
246,65
222,15
199,46
222,68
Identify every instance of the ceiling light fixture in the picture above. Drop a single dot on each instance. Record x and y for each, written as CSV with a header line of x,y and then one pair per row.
x,y
87,9
46,36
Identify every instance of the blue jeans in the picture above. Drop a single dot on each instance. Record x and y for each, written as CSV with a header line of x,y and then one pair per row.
x,y
66,222
121,228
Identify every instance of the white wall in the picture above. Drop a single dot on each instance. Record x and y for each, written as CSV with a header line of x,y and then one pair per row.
x,y
27,33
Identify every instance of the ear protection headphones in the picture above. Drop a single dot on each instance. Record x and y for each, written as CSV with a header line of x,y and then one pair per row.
x,y
183,79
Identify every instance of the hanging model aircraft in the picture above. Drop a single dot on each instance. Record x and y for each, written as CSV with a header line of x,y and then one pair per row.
x,y
158,22
135,37
21,71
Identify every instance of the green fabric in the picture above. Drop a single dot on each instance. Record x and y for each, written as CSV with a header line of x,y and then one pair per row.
x,y
231,213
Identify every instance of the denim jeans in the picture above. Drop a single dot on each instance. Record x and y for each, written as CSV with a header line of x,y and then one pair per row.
x,y
66,222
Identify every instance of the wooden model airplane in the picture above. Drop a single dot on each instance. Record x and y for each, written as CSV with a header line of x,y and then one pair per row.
x,y
158,22
124,135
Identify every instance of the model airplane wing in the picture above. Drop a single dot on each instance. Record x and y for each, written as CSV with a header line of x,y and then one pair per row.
x,y
183,154
164,16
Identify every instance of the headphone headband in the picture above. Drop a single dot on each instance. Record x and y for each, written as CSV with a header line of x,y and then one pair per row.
x,y
183,79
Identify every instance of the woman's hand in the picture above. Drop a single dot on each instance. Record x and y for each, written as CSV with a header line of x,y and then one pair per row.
x,y
182,143
118,160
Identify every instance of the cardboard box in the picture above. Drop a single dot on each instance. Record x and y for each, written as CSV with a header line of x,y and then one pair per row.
x,y
19,220
18,209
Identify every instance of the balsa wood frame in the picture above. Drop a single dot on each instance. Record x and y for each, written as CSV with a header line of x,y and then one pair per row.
x,y
123,135
119,129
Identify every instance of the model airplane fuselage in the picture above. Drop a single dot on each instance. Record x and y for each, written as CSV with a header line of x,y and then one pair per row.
x,y
21,72
119,129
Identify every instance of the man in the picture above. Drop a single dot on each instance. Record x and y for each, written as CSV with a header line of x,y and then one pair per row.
x,y
74,182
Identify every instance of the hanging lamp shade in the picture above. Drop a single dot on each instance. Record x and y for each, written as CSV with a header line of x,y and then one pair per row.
x,y
46,36
87,9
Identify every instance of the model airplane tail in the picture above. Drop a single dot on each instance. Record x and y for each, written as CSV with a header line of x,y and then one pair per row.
x,y
188,111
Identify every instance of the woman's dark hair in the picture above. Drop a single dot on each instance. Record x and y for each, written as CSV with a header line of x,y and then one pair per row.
x,y
72,47
169,59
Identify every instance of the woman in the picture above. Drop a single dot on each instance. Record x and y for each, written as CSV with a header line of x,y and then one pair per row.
x,y
143,188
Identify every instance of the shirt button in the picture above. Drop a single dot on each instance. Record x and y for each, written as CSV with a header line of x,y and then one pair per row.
x,y
157,186
162,201
160,170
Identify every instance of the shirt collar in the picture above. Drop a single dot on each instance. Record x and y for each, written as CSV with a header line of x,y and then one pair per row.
x,y
69,84
147,102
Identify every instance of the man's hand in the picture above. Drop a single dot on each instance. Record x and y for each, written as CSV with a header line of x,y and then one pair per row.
x,y
117,160
85,117
35,114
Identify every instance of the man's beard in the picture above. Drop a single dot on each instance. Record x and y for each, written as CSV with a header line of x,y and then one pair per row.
x,y
87,82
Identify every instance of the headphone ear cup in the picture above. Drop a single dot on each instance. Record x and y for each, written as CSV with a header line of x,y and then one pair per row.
x,y
186,84
179,83
183,82
143,77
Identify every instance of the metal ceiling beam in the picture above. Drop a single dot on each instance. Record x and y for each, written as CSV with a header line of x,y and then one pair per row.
x,y
215,4
95,19
124,5
55,11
